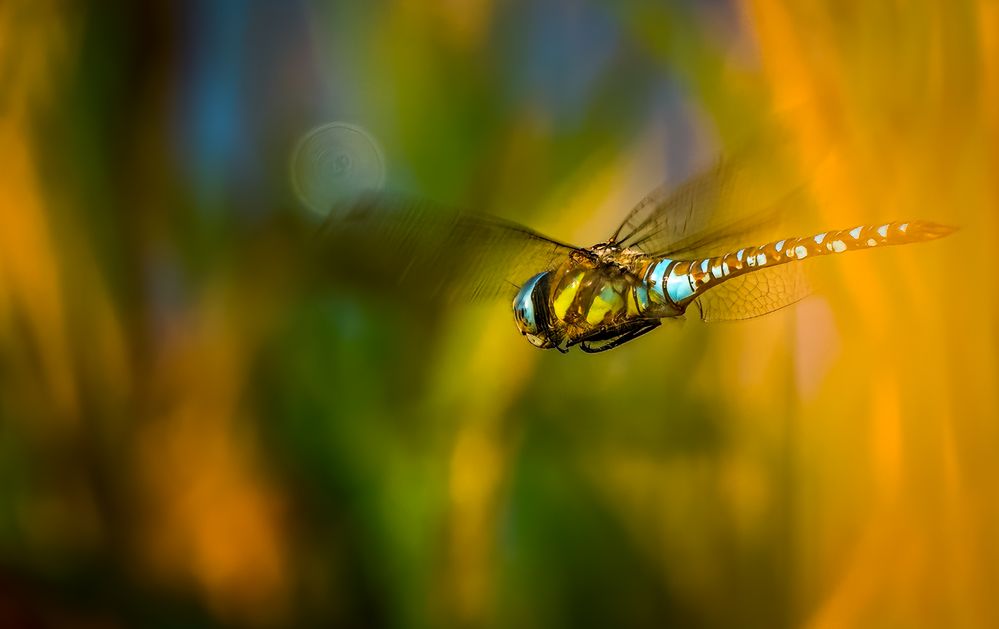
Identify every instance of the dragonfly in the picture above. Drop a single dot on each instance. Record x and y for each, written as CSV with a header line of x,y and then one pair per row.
x,y
692,246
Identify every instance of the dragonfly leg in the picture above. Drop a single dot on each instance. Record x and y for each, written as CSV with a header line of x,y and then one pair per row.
x,y
617,335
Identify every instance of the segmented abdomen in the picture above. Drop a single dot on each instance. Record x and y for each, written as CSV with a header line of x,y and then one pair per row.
x,y
682,281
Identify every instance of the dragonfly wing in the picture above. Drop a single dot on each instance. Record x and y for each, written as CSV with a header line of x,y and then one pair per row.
x,y
667,214
428,251
730,204
755,294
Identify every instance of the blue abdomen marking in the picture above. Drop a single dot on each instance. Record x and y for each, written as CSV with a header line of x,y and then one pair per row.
x,y
642,297
665,285
678,287
654,281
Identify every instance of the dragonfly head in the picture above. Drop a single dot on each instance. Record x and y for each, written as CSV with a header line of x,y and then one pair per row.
x,y
532,312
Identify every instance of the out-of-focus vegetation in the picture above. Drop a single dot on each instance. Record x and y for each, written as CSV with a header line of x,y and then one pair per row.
x,y
190,437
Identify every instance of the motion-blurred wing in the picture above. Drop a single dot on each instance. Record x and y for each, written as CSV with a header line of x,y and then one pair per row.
x,y
725,206
426,251
754,294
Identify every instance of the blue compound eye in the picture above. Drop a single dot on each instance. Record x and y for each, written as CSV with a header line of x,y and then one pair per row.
x,y
524,310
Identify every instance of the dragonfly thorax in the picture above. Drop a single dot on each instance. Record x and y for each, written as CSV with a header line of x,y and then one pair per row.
x,y
591,293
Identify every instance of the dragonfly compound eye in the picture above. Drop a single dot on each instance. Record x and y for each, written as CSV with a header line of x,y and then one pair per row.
x,y
530,311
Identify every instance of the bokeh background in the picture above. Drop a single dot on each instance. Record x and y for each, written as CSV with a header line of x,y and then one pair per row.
x,y
190,437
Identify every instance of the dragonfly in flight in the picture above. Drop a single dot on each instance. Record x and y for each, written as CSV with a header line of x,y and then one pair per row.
x,y
680,248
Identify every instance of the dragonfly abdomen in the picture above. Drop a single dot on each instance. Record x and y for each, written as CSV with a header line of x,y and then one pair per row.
x,y
682,281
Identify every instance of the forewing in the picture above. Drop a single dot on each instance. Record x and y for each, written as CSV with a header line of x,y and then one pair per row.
x,y
420,249
755,294
668,213
728,205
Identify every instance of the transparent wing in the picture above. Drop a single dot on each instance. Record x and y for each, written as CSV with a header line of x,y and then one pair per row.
x,y
398,244
668,214
730,204
755,294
